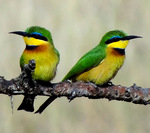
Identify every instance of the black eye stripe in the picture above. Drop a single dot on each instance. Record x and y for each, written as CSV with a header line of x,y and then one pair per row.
x,y
114,39
118,38
38,37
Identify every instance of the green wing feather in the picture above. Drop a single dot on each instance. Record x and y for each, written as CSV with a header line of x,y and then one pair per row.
x,y
93,57
88,61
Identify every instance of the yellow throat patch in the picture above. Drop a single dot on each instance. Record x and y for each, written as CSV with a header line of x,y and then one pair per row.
x,y
122,44
33,41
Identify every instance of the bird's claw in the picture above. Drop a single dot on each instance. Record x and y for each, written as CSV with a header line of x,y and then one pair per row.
x,y
107,84
91,83
110,83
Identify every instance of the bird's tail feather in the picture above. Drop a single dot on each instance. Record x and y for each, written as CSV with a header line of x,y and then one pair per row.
x,y
45,104
27,103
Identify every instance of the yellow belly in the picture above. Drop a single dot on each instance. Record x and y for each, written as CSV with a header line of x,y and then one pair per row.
x,y
46,63
45,68
105,71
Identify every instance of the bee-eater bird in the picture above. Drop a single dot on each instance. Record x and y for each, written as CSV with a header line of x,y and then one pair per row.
x,y
39,47
102,63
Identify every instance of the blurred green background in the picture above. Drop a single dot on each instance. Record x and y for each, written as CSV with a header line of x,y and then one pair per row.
x,y
76,27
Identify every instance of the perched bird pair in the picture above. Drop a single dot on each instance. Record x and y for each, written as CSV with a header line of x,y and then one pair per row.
x,y
98,66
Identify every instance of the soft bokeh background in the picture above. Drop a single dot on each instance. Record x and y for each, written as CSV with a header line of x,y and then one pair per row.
x,y
76,27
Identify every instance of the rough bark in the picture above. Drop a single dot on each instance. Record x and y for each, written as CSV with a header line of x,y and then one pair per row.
x,y
24,84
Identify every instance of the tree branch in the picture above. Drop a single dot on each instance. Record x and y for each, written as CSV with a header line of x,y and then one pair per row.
x,y
25,85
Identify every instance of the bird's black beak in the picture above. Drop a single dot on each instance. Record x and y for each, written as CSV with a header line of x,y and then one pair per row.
x,y
130,37
21,33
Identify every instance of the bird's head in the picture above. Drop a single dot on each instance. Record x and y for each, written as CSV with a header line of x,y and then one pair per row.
x,y
35,36
117,39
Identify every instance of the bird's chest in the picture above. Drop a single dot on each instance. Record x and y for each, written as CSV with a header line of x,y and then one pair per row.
x,y
106,70
46,62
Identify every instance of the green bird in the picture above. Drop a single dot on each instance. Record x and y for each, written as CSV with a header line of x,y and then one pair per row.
x,y
102,63
39,47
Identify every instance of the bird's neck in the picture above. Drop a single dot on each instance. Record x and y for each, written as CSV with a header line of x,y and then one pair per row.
x,y
31,47
39,48
120,51
115,52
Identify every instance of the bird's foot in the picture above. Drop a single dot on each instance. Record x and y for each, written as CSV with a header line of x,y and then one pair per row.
x,y
107,84
91,83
